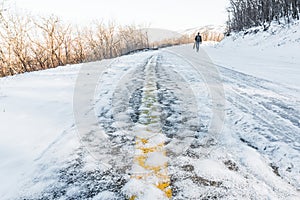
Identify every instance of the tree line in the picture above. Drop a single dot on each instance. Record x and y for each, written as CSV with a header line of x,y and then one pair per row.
x,y
28,43
244,14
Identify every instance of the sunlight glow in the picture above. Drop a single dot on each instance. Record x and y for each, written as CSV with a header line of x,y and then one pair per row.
x,y
167,14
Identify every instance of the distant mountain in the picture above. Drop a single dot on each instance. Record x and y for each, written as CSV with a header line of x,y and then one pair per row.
x,y
157,35
212,28
209,32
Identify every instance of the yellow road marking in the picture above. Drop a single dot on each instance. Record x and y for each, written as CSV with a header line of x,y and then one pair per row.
x,y
151,155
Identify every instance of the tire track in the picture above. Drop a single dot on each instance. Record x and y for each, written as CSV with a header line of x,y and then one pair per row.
x,y
266,118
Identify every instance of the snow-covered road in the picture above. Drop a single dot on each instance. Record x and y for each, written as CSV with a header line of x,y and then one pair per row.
x,y
152,125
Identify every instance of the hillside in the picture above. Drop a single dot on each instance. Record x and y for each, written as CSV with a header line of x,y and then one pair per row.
x,y
272,54
209,32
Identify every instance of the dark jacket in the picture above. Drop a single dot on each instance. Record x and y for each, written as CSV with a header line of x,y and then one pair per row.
x,y
198,38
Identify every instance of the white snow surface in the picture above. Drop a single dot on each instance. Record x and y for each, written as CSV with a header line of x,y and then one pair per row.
x,y
256,156
271,54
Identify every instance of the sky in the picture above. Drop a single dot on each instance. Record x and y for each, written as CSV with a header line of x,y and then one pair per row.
x,y
166,14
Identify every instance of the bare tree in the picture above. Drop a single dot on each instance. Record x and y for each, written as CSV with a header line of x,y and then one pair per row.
x,y
244,14
14,38
28,43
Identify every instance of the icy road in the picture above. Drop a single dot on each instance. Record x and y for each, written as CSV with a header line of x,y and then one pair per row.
x,y
167,124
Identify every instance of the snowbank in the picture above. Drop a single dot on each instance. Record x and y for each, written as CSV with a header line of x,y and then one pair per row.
x,y
271,54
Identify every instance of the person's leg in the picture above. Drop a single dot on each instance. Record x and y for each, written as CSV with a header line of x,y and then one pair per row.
x,y
197,46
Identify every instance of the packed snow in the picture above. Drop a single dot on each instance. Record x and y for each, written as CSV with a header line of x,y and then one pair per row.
x,y
222,123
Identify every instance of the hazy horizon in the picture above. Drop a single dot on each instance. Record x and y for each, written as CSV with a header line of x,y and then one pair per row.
x,y
165,14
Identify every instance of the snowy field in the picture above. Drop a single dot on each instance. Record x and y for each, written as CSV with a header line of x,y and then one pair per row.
x,y
223,123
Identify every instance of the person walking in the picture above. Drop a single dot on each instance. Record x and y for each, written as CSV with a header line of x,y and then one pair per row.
x,y
198,41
